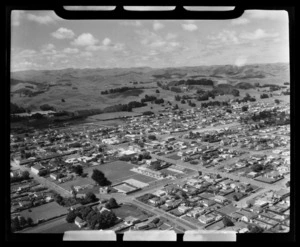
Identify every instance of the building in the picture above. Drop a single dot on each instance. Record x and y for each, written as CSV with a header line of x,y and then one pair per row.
x,y
36,169
79,222
103,190
205,219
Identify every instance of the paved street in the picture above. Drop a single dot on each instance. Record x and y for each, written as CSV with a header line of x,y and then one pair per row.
x,y
43,181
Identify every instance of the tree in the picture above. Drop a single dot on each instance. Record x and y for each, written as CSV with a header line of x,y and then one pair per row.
x,y
22,221
227,222
182,101
176,107
235,198
58,198
90,197
257,168
71,216
107,219
235,92
112,203
29,221
78,170
245,108
85,212
157,91
277,101
25,174
152,137
63,100
255,229
99,178
15,224
287,184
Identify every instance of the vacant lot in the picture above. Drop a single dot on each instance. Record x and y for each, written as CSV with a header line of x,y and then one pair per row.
x,y
45,211
130,210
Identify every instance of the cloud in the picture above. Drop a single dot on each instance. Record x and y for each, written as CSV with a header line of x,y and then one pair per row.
x,y
258,34
70,50
16,16
225,37
171,36
189,27
106,41
267,14
131,23
240,21
158,25
85,39
63,33
48,49
49,18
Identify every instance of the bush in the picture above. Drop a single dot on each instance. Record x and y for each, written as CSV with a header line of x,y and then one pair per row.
x,y
71,216
264,96
245,108
227,222
100,178
112,203
147,113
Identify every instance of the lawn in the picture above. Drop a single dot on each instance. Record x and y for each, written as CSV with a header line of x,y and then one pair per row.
x,y
62,228
174,157
129,210
144,179
45,211
115,172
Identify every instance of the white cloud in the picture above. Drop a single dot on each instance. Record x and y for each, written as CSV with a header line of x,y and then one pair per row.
x,y
225,37
43,19
258,34
63,33
85,39
240,21
106,41
158,25
85,54
131,23
48,49
267,14
189,27
16,16
70,50
171,36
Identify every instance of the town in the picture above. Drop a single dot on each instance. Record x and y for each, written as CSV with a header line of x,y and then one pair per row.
x,y
179,169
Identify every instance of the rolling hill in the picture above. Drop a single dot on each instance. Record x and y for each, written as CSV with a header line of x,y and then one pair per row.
x,y
81,88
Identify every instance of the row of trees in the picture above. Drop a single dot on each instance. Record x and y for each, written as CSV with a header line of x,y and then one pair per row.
x,y
214,103
18,223
118,90
245,99
24,176
148,98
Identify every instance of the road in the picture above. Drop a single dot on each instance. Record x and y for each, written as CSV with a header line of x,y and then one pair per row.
x,y
63,192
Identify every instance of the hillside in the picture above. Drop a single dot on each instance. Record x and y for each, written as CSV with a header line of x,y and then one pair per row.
x,y
81,88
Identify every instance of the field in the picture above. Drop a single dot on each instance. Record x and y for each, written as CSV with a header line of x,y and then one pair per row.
x,y
45,211
129,210
61,228
118,171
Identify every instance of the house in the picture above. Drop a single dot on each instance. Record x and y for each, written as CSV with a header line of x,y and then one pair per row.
x,y
281,194
79,222
155,201
104,190
205,219
273,175
15,173
36,169
55,176
220,199
183,209
246,215
130,220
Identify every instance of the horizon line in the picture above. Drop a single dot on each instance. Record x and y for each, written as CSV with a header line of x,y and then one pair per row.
x,y
193,66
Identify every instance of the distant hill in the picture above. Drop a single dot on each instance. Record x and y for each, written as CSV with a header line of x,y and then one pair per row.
x,y
81,88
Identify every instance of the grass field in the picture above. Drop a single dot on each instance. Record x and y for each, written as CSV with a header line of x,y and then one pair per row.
x,y
117,171
44,211
62,228
129,210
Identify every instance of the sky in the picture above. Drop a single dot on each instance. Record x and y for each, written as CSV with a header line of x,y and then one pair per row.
x,y
41,40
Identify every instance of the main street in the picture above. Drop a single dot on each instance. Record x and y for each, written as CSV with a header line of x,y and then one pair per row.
x,y
63,192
